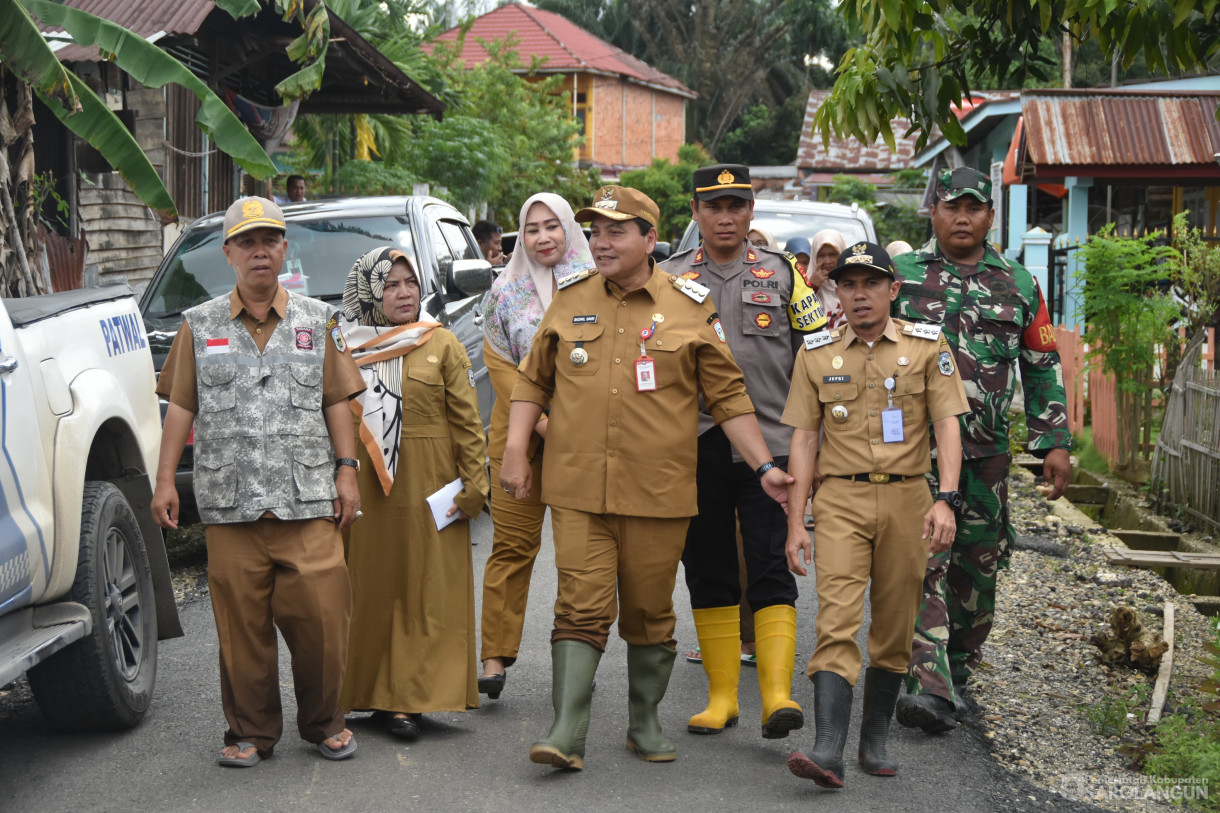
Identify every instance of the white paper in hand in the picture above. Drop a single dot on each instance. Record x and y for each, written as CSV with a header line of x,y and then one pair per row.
x,y
442,501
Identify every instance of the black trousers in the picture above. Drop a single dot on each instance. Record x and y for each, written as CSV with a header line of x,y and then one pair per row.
x,y
728,492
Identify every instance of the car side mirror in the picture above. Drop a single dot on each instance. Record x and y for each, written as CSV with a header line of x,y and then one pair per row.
x,y
662,251
470,277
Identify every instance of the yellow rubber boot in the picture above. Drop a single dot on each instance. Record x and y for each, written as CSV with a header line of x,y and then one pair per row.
x,y
719,631
775,641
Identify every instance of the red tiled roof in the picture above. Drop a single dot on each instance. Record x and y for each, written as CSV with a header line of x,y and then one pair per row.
x,y
144,17
566,47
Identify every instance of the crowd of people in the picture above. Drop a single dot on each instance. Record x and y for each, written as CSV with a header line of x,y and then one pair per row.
x,y
340,456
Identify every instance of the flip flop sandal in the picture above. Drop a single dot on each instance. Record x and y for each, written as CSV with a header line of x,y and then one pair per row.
x,y
343,753
238,762
694,656
749,660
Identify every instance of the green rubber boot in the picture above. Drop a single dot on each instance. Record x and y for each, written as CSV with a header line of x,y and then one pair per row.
x,y
648,670
573,665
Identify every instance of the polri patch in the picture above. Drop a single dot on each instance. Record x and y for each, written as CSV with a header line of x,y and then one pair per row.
x,y
304,337
585,319
763,320
836,379
762,273
945,362
690,275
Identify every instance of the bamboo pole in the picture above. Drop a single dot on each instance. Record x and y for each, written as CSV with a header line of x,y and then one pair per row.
x,y
1161,689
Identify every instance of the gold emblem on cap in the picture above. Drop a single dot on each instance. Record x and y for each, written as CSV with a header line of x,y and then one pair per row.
x,y
837,362
251,209
607,192
859,248
725,177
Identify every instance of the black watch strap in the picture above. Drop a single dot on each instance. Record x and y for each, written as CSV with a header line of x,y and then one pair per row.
x,y
954,498
347,461
764,468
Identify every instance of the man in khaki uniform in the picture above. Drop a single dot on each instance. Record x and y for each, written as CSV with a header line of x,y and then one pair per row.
x,y
265,378
622,357
870,388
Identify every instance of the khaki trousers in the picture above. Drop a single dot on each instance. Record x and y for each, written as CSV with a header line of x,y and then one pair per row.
x,y
515,541
868,530
288,574
604,557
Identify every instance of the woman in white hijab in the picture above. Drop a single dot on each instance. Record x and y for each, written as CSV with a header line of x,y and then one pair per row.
x,y
550,245
828,244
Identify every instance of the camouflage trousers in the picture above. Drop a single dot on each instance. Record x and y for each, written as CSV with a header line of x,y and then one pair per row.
x,y
958,605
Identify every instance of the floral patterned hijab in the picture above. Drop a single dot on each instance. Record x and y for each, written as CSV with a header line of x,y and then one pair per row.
x,y
521,294
378,346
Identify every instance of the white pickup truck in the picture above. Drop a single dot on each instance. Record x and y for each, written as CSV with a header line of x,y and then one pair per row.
x,y
85,589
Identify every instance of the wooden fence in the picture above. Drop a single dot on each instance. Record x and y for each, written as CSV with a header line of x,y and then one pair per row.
x,y
1186,465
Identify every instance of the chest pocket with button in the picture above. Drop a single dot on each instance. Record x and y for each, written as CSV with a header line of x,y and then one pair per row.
x,y
999,327
218,387
670,361
909,394
306,386
918,303
423,390
847,396
586,337
762,313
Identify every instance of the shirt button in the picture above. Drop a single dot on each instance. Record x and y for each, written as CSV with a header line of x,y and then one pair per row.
x,y
872,384
837,396
614,392
658,342
614,423
624,303
618,361
873,413
874,441
258,330
620,330
870,356
612,454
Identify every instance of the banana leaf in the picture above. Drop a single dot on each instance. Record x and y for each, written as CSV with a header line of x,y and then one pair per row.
x,y
153,67
239,8
24,52
97,125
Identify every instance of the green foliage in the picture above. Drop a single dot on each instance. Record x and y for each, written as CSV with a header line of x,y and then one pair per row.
x,y
920,57
1188,748
670,185
1110,717
1127,316
1194,269
1018,431
373,178
767,136
893,221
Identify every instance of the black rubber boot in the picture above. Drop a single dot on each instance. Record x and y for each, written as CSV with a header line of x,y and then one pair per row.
x,y
573,664
831,711
929,712
881,689
648,671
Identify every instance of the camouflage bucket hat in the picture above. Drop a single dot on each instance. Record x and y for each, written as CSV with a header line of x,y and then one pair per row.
x,y
954,183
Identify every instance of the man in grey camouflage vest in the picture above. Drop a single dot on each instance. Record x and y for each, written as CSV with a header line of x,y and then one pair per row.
x,y
264,376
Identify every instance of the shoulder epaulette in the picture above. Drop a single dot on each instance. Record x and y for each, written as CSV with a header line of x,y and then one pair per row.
x,y
921,330
572,279
822,337
691,288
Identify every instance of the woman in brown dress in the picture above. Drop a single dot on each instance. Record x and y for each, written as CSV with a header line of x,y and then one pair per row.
x,y
412,646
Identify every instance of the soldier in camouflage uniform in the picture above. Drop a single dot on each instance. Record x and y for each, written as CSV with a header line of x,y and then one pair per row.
x,y
265,378
993,313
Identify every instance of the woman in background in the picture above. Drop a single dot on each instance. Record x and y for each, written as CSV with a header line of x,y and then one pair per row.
x,y
828,244
550,246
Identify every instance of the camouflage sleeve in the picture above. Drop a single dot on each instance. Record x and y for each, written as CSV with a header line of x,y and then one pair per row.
x,y
1042,382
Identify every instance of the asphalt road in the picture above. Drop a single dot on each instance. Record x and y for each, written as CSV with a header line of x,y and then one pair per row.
x,y
478,760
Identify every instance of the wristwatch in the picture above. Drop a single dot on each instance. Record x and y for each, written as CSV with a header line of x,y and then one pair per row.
x,y
347,461
954,498
764,468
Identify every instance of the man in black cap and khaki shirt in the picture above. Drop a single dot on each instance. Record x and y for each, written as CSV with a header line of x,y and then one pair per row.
x,y
870,388
621,357
765,307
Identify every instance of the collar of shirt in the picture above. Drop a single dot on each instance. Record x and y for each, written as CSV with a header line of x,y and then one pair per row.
x,y
279,303
931,253
652,287
890,332
748,254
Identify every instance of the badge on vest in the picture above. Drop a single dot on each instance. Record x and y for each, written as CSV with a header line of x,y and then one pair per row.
x,y
304,337
336,333
216,346
945,362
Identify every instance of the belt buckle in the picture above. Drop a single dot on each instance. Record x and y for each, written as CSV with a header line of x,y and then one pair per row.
x,y
878,477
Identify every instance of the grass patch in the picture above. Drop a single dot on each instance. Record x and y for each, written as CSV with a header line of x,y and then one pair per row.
x,y
1087,455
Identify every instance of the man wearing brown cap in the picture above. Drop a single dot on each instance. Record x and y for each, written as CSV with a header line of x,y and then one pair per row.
x,y
264,376
996,321
621,357
765,307
869,389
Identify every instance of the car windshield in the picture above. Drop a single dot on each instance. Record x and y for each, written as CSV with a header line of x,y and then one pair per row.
x,y
320,253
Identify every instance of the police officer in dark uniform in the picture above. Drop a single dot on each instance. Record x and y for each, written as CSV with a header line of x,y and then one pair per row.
x,y
765,307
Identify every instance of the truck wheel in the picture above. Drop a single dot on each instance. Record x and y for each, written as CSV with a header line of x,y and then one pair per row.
x,y
105,680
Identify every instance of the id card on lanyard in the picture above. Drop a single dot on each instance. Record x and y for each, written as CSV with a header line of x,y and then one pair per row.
x,y
891,416
645,365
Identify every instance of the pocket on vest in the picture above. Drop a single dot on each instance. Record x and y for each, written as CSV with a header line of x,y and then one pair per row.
x,y
219,390
313,470
215,477
305,387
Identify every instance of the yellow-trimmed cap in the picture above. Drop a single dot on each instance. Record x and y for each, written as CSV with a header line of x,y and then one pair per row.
x,y
720,180
252,213
620,203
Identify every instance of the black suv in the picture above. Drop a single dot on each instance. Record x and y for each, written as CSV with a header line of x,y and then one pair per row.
x,y
324,239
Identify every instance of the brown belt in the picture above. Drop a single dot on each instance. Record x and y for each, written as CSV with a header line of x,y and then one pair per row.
x,y
875,477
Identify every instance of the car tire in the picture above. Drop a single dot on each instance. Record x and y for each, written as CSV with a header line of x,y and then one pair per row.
x,y
105,680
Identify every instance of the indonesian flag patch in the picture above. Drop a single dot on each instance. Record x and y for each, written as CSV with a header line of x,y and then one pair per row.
x,y
216,346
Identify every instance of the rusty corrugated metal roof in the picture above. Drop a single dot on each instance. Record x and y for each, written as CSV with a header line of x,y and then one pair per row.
x,y
144,17
1119,128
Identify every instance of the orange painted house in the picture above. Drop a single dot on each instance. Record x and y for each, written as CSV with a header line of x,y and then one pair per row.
x,y
630,111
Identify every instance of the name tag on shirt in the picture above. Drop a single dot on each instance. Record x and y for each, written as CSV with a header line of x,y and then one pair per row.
x,y
891,425
587,319
645,374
